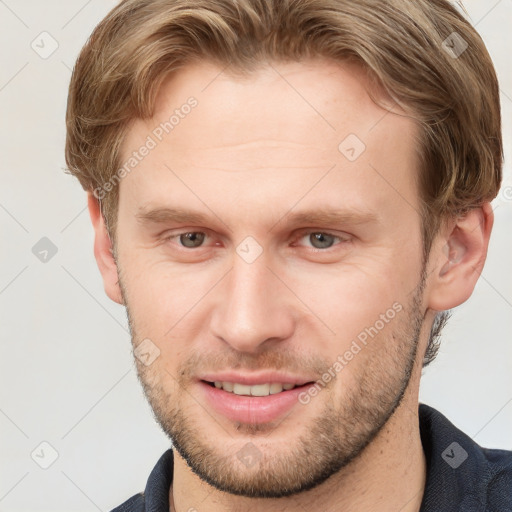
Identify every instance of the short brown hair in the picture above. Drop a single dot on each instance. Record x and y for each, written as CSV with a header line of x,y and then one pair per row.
x,y
423,53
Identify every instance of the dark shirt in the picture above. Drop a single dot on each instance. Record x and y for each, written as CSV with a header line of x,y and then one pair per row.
x,y
461,475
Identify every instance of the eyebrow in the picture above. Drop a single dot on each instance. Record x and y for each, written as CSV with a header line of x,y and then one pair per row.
x,y
318,216
161,215
324,216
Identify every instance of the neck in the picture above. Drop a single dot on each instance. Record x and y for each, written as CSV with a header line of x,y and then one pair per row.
x,y
389,475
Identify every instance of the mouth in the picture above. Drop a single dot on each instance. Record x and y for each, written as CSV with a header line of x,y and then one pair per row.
x,y
252,404
264,389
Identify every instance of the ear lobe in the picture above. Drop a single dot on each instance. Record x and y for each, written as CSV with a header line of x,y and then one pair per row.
x,y
460,254
103,251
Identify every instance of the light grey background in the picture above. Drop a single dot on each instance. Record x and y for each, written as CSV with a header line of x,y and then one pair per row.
x,y
67,376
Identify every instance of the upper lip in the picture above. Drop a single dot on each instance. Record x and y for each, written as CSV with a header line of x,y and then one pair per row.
x,y
251,379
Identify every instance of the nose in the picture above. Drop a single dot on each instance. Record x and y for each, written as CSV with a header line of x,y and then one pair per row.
x,y
253,308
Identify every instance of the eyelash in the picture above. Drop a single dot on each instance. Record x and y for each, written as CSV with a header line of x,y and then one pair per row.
x,y
342,240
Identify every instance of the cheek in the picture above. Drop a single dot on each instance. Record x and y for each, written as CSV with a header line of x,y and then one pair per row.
x,y
347,300
163,299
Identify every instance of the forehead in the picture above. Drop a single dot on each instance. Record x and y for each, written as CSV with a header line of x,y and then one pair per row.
x,y
273,133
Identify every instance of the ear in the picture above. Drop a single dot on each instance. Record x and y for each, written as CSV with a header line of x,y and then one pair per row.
x,y
460,254
103,251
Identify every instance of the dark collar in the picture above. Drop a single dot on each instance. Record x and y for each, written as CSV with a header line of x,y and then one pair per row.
x,y
461,475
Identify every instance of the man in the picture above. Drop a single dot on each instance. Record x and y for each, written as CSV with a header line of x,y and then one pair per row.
x,y
288,197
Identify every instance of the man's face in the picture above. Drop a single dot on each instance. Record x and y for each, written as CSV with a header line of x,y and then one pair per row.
x,y
307,249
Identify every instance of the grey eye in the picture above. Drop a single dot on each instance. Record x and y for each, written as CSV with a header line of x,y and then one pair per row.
x,y
324,240
192,239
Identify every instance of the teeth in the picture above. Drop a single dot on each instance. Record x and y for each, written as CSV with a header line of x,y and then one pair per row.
x,y
241,389
227,386
260,390
256,390
275,388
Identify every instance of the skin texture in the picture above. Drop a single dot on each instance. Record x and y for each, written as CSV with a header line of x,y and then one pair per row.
x,y
253,151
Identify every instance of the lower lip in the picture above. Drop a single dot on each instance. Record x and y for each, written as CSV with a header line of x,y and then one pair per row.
x,y
252,409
